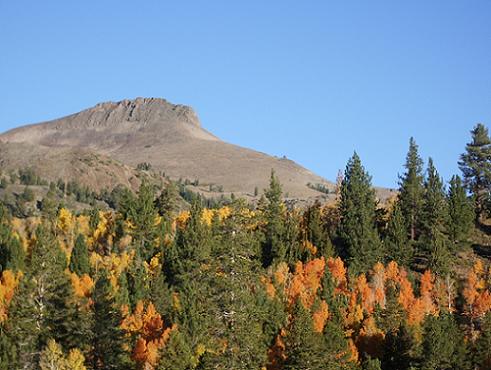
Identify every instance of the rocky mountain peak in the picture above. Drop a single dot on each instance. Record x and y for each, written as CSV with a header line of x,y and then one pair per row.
x,y
143,110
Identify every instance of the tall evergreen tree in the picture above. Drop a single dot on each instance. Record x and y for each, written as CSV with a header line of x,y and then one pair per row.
x,y
336,346
191,247
399,349
357,231
443,344
79,260
411,190
26,326
274,249
137,280
434,239
303,346
236,291
461,212
475,165
122,297
316,231
108,349
43,306
482,347
12,254
177,354
166,203
141,213
372,364
8,352
396,240
160,294
292,239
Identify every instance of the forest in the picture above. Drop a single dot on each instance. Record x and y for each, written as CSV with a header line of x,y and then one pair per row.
x,y
147,283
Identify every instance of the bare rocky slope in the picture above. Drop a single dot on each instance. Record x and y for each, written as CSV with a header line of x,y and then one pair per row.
x,y
105,143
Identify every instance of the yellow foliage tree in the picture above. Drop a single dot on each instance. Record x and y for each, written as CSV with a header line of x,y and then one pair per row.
x,y
82,285
53,358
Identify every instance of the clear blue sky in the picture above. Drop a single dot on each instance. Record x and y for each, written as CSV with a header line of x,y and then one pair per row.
x,y
312,80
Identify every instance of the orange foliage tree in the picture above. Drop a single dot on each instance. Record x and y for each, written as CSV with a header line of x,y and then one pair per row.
x,y
306,281
8,283
476,294
82,285
151,334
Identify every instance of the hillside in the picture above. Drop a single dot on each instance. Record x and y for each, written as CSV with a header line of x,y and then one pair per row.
x,y
169,137
88,168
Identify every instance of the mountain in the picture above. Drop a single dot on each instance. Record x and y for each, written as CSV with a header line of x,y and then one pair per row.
x,y
121,135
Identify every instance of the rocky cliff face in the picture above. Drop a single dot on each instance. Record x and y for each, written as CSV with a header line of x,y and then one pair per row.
x,y
171,139
114,124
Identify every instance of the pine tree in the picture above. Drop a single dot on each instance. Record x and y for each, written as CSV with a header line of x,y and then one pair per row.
x,y
461,212
108,341
475,165
434,221
137,282
482,347
68,319
399,349
8,353
316,231
357,231
303,347
166,203
411,190
372,364
159,293
396,241
194,315
43,306
49,208
274,250
390,317
292,240
26,326
122,297
79,260
12,254
336,347
235,290
177,354
190,249
217,301
141,213
443,344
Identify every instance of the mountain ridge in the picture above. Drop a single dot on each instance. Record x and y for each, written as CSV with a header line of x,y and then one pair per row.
x,y
171,139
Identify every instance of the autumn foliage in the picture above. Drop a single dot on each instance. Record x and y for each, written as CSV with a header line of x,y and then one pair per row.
x,y
8,283
146,324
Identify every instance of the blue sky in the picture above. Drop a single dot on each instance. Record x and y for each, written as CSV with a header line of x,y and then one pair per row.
x,y
312,80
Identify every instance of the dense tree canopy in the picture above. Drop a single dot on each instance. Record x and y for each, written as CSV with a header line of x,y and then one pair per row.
x,y
146,281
